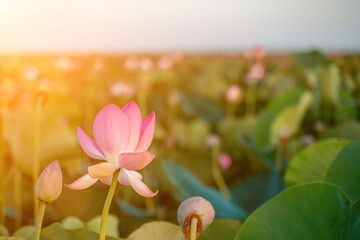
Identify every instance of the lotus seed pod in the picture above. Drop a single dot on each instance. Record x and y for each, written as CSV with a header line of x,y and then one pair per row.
x,y
49,186
195,207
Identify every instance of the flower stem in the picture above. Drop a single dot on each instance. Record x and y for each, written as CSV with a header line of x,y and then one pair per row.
x,y
40,219
250,100
2,137
279,158
194,222
5,182
107,205
18,198
216,172
231,110
36,152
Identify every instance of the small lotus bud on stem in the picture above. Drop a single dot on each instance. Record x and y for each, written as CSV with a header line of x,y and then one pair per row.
x,y
225,161
194,215
47,190
49,185
283,135
213,140
233,94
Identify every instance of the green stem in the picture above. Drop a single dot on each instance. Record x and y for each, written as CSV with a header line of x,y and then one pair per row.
x,y
216,172
18,198
194,222
40,220
279,157
250,100
2,141
9,175
231,110
36,152
107,205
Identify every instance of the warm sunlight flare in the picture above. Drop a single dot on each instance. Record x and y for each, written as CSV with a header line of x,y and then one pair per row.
x,y
179,120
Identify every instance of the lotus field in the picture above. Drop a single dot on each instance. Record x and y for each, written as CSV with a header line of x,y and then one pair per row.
x,y
236,146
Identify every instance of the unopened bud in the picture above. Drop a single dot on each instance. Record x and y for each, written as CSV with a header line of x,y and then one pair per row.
x,y
307,140
49,185
225,161
283,135
233,94
320,127
195,207
213,140
31,73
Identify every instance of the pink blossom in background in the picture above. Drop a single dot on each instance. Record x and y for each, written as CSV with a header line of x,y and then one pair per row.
x,y
255,74
165,63
145,64
213,140
122,89
225,161
31,73
233,94
98,64
307,140
257,53
284,134
174,98
122,139
64,63
131,63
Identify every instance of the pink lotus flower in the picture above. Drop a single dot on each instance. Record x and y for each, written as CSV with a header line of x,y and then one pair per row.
x,y
255,74
233,94
122,139
225,161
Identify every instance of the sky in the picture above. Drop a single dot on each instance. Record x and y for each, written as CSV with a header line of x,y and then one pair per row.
x,y
118,26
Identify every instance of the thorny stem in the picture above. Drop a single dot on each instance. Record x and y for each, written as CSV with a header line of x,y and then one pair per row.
x,y
216,172
40,219
107,205
194,222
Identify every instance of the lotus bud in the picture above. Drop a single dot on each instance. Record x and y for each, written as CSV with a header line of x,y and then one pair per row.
x,y
255,74
320,127
131,63
31,73
283,135
165,63
225,161
307,140
49,185
195,207
174,98
233,94
213,140
145,64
